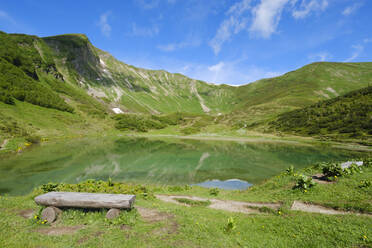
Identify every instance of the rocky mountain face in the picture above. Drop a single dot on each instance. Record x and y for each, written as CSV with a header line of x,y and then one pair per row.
x,y
134,89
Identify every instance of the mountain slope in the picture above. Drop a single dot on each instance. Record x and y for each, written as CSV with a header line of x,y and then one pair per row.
x,y
67,76
135,89
266,98
349,115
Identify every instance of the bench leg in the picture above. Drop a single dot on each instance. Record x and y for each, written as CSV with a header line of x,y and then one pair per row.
x,y
112,213
50,214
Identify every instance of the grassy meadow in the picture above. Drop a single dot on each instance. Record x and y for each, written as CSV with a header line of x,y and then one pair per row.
x,y
199,226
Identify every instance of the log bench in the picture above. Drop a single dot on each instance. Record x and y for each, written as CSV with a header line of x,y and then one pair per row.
x,y
56,200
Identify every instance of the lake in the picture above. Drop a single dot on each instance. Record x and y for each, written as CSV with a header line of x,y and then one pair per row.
x,y
167,161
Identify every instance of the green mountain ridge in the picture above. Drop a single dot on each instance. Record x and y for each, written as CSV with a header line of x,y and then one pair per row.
x,y
67,81
349,115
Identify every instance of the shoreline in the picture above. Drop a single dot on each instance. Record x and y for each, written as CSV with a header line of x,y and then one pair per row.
x,y
302,141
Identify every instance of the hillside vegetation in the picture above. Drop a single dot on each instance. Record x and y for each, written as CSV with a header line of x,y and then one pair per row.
x,y
349,115
315,82
63,84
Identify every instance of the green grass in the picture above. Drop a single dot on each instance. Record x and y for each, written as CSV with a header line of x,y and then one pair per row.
x,y
345,194
205,227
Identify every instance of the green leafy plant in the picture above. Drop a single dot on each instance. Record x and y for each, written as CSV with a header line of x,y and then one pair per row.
x,y
367,162
49,187
109,182
332,170
36,219
365,184
352,169
304,183
214,191
187,187
230,225
290,170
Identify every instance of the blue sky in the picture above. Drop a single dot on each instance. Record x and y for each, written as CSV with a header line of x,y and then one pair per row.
x,y
219,41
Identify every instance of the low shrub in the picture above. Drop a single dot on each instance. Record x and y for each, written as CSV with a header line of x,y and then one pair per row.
x,y
6,98
93,186
334,170
190,130
137,123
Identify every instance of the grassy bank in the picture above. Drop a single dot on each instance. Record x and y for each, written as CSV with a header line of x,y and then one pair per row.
x,y
172,225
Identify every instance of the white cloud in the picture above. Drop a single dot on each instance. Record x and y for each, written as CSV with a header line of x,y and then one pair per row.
x,y
227,28
264,17
239,8
104,25
217,67
308,6
192,41
144,31
227,72
322,56
267,16
351,9
235,22
358,49
223,72
367,40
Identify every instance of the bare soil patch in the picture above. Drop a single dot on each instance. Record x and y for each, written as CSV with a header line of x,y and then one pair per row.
x,y
227,205
312,208
26,213
169,229
321,179
125,227
152,216
86,238
56,231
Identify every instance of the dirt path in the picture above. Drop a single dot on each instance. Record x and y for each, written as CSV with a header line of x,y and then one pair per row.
x,y
231,206
251,207
311,208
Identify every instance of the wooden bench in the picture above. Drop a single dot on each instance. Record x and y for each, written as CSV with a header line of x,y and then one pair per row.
x,y
56,200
